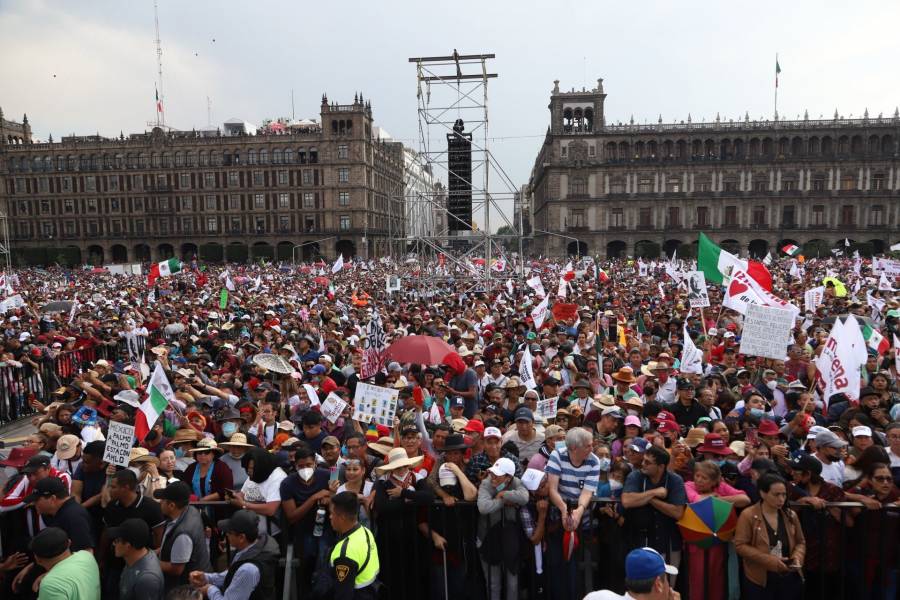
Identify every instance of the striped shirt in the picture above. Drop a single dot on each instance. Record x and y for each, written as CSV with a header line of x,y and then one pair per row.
x,y
573,479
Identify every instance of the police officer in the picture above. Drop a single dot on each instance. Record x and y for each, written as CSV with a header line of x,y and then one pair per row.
x,y
355,556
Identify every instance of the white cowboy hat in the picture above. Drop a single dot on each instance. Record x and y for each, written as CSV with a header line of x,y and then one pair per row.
x,y
396,459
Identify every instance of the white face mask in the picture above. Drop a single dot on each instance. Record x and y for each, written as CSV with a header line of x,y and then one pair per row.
x,y
615,485
772,384
306,473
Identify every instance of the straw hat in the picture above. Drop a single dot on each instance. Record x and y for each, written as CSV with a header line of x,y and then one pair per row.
x,y
383,445
649,368
634,403
206,444
739,448
286,425
142,455
695,437
237,440
397,459
602,401
184,435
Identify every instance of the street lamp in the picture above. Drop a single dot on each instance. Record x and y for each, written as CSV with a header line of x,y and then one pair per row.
x,y
568,237
294,249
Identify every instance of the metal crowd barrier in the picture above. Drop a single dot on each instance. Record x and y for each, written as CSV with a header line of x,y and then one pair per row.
x,y
859,548
18,384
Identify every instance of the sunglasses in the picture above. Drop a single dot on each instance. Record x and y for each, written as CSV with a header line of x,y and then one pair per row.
x,y
883,478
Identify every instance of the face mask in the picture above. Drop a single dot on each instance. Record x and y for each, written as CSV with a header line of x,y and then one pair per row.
x,y
228,429
719,463
560,446
344,452
179,452
757,412
772,384
306,473
615,485
604,464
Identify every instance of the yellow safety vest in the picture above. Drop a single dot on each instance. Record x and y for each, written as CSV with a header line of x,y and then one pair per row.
x,y
359,547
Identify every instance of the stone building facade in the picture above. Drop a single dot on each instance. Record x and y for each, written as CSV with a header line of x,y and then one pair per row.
x,y
627,189
318,190
12,133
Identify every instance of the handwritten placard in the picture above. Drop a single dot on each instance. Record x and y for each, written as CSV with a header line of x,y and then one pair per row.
x,y
119,441
766,331
547,408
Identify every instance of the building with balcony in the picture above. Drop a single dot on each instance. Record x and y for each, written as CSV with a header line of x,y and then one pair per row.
x,y
317,190
753,186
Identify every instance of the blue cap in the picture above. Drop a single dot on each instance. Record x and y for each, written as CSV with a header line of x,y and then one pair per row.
x,y
639,445
317,370
646,563
458,401
523,413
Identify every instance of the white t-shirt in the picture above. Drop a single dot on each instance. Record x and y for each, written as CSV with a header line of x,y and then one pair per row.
x,y
367,488
267,491
606,595
895,460
833,473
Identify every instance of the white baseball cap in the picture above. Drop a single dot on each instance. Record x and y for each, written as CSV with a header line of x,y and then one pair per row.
x,y
861,430
492,432
503,466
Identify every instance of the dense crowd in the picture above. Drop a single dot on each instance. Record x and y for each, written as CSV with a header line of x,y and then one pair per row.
x,y
493,478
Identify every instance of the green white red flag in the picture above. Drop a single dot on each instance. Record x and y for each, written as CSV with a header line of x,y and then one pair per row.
x,y
163,269
159,396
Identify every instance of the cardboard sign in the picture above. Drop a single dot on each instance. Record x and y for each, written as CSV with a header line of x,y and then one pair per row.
x,y
698,295
812,298
373,403
119,441
333,407
564,310
767,331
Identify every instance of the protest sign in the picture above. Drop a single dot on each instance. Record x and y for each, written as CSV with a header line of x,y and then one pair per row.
x,y
547,408
691,356
119,440
333,407
698,295
373,403
812,298
539,314
374,346
886,265
843,354
766,331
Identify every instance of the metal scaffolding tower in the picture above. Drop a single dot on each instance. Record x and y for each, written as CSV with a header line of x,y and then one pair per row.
x,y
452,94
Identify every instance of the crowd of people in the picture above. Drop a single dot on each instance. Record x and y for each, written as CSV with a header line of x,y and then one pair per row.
x,y
491,478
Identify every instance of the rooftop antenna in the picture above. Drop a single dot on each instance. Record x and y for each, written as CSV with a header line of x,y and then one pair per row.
x,y
160,111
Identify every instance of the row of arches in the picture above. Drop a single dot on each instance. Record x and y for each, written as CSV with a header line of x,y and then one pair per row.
x,y
756,248
239,252
754,147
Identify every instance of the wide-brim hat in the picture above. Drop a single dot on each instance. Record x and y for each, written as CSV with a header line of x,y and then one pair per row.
x,y
455,442
383,446
583,383
142,455
768,427
184,436
397,459
237,440
714,444
625,375
634,403
695,437
602,401
206,444
649,368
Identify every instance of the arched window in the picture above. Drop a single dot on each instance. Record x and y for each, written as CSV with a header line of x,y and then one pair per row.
x,y
264,157
154,160
120,161
204,158
276,157
143,160
166,160
567,119
251,157
814,146
48,163
179,159
72,162
191,159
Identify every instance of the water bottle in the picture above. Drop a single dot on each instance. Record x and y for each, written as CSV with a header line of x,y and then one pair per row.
x,y
320,522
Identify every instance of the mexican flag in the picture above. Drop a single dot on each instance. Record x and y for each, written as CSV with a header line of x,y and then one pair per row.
x,y
791,250
163,269
875,340
716,264
602,275
159,396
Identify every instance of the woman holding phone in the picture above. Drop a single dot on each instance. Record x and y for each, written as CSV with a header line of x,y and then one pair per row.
x,y
771,543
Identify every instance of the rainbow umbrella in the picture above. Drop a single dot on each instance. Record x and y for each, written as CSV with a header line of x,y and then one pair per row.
x,y
708,522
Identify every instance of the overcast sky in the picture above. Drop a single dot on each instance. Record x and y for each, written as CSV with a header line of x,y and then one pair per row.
x,y
90,66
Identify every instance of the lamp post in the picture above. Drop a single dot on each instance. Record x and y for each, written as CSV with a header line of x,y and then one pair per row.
x,y
568,237
294,249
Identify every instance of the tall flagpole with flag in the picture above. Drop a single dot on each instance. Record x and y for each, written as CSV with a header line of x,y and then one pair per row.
x,y
777,72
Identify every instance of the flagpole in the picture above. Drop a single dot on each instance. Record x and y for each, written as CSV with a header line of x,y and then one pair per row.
x,y
776,85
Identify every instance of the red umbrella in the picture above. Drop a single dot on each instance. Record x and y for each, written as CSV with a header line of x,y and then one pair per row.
x,y
421,349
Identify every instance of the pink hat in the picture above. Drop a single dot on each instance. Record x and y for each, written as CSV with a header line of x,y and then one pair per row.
x,y
632,420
